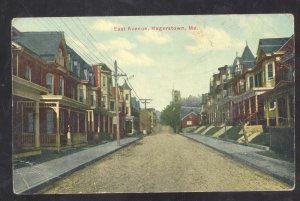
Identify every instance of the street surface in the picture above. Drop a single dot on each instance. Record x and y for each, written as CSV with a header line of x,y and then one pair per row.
x,y
165,162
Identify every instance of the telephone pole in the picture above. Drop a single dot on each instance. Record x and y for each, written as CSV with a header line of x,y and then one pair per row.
x,y
116,75
145,101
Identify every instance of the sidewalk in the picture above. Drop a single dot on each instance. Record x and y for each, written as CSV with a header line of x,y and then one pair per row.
x,y
279,169
30,179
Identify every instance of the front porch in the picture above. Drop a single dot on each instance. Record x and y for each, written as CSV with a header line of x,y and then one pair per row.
x,y
48,125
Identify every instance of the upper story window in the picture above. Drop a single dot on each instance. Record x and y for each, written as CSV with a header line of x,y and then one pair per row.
x,y
251,82
270,72
73,93
78,69
61,86
49,83
60,58
104,101
70,62
92,99
85,74
104,81
28,73
126,110
112,106
81,95
258,80
127,96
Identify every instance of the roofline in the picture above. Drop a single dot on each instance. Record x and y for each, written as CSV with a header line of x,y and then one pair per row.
x,y
189,114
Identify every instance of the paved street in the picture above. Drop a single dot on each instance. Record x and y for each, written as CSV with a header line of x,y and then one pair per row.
x,y
165,162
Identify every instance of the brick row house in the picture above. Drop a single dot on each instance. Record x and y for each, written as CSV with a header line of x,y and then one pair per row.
x,y
258,91
59,101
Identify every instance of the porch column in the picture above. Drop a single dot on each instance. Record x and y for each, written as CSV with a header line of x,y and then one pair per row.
x,y
98,129
37,124
244,107
77,122
276,112
104,122
256,109
132,130
288,110
69,140
92,119
108,125
57,127
85,125
268,112
250,107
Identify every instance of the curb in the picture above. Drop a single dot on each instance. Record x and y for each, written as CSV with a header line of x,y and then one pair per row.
x,y
42,185
243,161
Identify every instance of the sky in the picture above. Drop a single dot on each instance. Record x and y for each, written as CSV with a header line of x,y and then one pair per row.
x,y
157,61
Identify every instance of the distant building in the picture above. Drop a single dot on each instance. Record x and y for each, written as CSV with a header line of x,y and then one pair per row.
x,y
147,120
176,96
190,116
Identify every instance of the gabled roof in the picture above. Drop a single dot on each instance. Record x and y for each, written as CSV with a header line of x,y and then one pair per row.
x,y
44,44
247,58
269,45
125,86
104,67
185,110
83,64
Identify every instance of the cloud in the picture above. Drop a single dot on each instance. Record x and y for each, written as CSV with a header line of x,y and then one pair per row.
x,y
210,38
154,37
104,25
116,44
128,58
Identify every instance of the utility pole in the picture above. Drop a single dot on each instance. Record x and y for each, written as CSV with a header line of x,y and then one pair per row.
x,y
116,75
145,101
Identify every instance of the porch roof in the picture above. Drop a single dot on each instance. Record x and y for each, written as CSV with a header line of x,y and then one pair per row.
x,y
65,101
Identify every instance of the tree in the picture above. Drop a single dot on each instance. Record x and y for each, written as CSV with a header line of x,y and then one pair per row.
x,y
171,116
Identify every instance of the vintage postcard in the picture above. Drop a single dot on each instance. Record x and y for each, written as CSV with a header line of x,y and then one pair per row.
x,y
191,103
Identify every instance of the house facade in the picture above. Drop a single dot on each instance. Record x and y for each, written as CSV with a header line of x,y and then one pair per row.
x,y
51,116
189,116
59,100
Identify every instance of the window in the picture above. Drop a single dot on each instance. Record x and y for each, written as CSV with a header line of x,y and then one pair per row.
x,y
272,105
85,74
81,95
104,101
73,93
28,73
104,81
126,110
49,121
70,62
189,123
92,99
49,83
251,83
127,97
270,71
61,86
112,106
78,70
60,58
258,82
30,122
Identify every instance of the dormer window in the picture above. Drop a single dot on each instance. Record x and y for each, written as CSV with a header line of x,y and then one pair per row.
x,y
60,58
28,73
